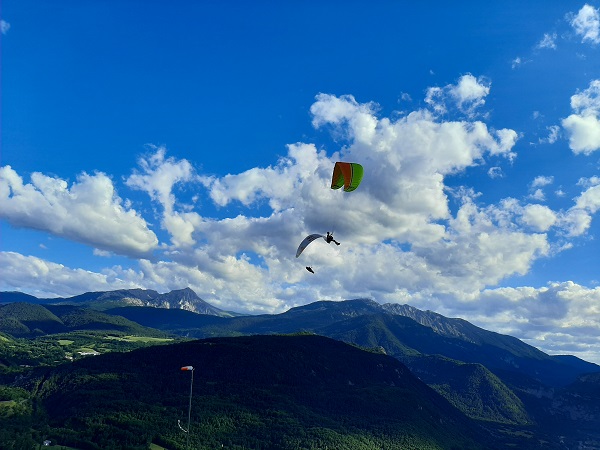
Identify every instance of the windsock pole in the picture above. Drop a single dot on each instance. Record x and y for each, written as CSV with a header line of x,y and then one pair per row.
x,y
191,369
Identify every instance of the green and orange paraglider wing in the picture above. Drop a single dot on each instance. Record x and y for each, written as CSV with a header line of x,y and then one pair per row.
x,y
348,175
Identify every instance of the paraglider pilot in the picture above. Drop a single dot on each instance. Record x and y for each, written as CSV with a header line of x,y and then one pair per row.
x,y
329,238
310,269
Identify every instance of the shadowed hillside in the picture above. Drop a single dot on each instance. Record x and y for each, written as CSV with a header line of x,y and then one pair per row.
x,y
30,320
270,392
25,319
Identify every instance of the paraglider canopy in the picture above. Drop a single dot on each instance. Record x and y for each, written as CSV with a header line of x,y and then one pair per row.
x,y
346,174
307,240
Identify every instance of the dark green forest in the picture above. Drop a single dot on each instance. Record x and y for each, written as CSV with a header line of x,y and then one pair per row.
x,y
268,392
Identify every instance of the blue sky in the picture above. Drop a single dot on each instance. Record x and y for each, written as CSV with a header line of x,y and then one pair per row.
x,y
191,145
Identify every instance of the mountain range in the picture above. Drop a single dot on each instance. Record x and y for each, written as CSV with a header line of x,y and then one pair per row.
x,y
401,330
489,377
185,299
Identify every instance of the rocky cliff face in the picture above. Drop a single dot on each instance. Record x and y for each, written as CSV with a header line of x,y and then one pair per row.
x,y
184,299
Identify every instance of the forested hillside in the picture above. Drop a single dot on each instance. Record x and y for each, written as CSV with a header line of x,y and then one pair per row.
x,y
269,392
32,320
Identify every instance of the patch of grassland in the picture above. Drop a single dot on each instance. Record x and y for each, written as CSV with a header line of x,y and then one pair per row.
x,y
139,339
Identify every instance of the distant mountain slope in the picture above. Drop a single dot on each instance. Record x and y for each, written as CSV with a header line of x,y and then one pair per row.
x,y
178,299
254,392
397,332
76,318
497,351
472,388
26,319
14,297
177,321
120,294
461,329
29,320
577,406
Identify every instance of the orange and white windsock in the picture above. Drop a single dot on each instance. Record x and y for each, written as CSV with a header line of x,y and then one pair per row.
x,y
187,368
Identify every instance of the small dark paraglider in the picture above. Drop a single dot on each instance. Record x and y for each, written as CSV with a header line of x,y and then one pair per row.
x,y
310,269
329,238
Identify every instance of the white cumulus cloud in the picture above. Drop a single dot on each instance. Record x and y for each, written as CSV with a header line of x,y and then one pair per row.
x,y
4,26
548,41
468,94
158,176
89,211
539,217
48,279
587,24
560,318
583,126
542,181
